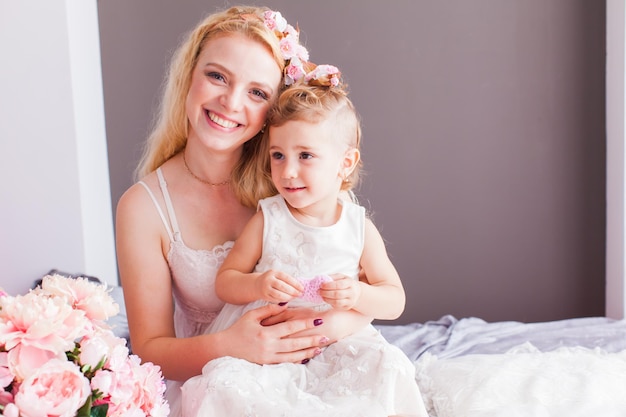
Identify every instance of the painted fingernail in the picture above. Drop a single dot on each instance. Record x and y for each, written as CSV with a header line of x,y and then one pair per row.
x,y
318,322
305,361
284,303
317,351
324,340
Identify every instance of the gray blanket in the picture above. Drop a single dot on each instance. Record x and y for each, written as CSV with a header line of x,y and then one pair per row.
x,y
450,337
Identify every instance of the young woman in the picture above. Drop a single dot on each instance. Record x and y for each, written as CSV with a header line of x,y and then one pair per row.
x,y
198,188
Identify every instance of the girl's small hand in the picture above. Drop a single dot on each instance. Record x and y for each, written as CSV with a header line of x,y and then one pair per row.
x,y
278,287
342,293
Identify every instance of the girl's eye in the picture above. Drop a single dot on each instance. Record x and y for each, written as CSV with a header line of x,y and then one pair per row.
x,y
277,155
306,155
261,94
216,76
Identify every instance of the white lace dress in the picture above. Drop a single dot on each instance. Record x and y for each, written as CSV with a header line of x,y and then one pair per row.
x,y
362,375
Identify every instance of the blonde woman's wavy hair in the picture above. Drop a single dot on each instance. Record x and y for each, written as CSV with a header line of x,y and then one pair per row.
x,y
312,103
170,128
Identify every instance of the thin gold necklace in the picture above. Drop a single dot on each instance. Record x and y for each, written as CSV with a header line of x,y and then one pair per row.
x,y
200,179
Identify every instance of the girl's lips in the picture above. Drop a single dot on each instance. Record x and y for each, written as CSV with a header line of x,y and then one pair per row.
x,y
293,189
225,123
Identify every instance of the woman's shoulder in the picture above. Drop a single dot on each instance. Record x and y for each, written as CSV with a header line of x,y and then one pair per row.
x,y
137,198
138,190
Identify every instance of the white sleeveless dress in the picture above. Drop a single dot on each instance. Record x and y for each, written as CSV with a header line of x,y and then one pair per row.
x,y
362,375
193,275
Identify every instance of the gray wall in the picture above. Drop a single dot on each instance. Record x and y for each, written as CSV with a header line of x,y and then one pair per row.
x,y
484,137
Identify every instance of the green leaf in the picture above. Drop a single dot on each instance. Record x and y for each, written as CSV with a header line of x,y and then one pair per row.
x,y
84,411
100,410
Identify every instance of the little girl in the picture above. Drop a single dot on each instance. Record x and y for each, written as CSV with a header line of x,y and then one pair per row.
x,y
305,247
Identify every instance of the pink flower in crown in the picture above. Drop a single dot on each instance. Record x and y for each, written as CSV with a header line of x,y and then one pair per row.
x,y
291,32
82,294
58,388
288,47
275,21
324,75
302,53
294,71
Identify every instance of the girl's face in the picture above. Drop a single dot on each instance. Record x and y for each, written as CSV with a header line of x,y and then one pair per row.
x,y
309,162
231,89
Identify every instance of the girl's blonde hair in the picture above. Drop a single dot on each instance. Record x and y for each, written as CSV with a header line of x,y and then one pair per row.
x,y
170,130
313,104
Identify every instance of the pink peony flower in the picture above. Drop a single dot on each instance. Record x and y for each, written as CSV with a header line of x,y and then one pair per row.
x,y
6,398
81,294
35,328
58,388
25,360
10,410
6,377
101,344
133,387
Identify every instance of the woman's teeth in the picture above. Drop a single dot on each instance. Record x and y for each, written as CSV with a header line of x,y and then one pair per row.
x,y
222,122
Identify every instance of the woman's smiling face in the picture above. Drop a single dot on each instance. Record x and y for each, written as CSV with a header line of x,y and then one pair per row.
x,y
232,87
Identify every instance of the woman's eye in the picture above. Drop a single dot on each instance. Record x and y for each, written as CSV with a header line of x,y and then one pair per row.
x,y
306,155
216,76
259,93
277,155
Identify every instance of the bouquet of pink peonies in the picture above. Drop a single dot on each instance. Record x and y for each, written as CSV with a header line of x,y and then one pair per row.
x,y
58,356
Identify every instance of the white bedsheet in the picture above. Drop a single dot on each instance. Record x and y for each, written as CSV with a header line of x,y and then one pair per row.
x,y
567,382
473,368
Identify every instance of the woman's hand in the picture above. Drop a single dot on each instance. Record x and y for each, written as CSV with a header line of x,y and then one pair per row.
x,y
284,341
337,323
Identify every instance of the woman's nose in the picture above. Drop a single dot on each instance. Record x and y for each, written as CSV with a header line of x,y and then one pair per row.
x,y
232,100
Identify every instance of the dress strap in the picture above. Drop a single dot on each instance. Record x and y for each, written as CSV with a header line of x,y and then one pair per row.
x,y
158,207
168,203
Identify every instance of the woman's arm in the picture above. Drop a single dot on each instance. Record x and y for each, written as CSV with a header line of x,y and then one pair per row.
x,y
142,244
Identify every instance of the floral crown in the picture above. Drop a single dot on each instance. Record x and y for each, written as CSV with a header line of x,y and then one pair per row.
x,y
296,56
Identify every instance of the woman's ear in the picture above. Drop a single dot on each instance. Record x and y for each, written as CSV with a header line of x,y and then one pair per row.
x,y
350,161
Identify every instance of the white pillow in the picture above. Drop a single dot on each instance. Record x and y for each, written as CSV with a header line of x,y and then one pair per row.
x,y
568,382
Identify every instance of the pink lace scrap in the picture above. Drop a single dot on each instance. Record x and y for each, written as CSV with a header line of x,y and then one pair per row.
x,y
312,288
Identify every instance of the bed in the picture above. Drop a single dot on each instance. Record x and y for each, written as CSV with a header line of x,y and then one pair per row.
x,y
472,368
